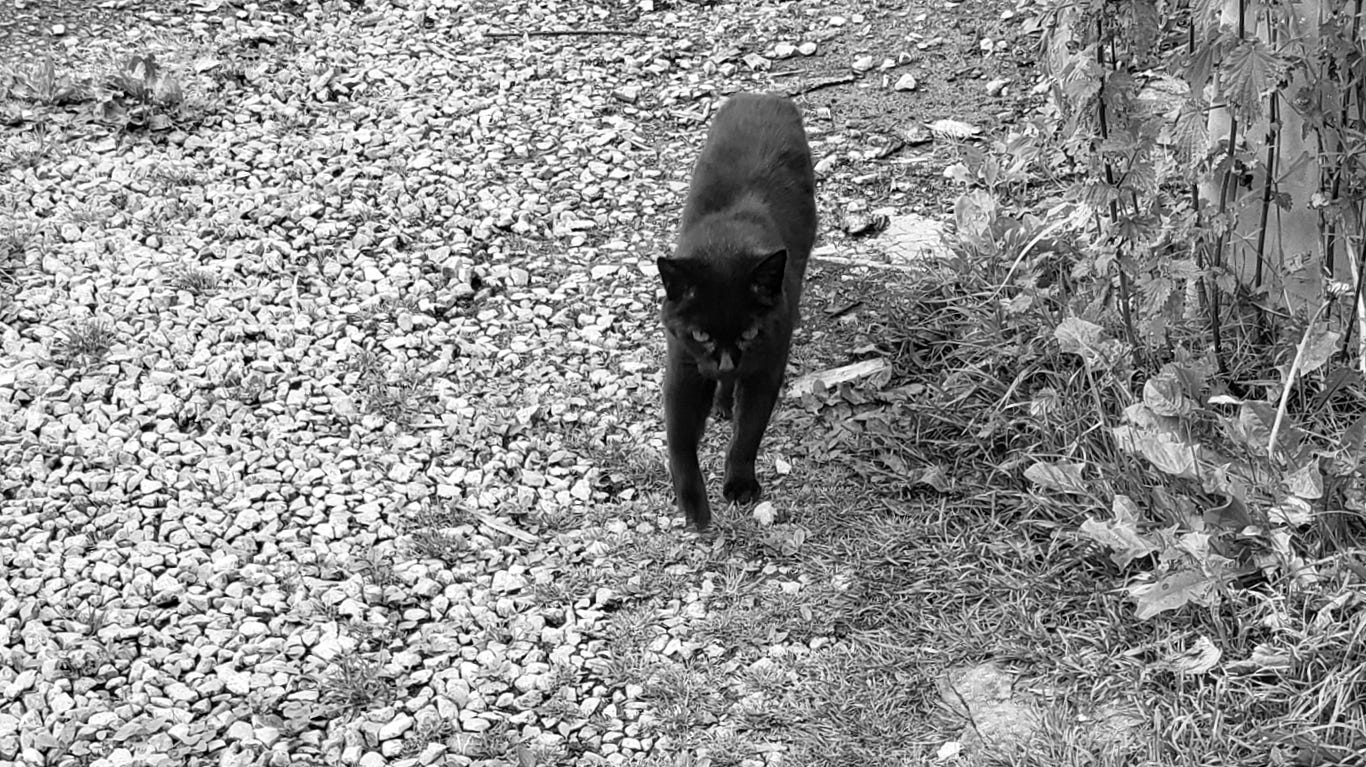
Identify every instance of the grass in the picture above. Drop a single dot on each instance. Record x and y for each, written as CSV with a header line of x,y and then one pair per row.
x,y
396,395
85,344
355,683
195,280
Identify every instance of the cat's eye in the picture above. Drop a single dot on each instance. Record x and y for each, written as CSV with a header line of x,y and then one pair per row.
x,y
700,337
750,333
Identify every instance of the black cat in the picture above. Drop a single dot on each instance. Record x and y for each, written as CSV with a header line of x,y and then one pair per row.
x,y
732,287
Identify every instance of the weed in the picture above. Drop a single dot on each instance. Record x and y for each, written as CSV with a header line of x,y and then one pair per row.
x,y
395,395
29,153
88,214
625,666
43,85
494,742
86,343
248,389
177,175
429,729
568,586
726,748
140,94
355,683
632,630
685,697
195,280
377,568
13,243
447,547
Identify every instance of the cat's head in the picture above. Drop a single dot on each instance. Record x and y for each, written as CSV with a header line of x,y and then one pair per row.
x,y
718,309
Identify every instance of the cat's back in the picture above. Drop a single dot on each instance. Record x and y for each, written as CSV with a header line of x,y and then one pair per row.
x,y
749,127
756,144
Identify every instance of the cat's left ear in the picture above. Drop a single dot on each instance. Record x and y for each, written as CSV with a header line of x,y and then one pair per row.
x,y
766,281
676,277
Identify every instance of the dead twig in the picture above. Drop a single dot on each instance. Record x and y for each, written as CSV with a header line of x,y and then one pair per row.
x,y
568,33
815,259
819,84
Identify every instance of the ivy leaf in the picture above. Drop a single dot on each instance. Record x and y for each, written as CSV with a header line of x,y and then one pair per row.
x,y
1060,476
1254,424
1250,70
1318,348
1087,339
1174,458
1198,659
1306,481
1172,592
1121,536
1293,512
1164,395
1230,515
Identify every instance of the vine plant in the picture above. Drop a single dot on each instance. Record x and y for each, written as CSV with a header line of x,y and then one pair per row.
x,y
1213,157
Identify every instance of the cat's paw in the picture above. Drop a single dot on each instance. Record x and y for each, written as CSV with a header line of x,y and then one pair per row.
x,y
724,404
723,410
742,489
696,511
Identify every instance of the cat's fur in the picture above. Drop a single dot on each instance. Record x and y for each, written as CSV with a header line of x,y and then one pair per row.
x,y
732,287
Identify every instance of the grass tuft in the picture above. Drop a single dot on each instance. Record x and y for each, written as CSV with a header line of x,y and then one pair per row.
x,y
355,683
85,344
195,280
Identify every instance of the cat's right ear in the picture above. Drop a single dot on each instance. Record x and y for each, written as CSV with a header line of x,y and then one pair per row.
x,y
677,281
766,281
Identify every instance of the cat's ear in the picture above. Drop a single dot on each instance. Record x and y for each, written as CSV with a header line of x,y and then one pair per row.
x,y
676,276
766,281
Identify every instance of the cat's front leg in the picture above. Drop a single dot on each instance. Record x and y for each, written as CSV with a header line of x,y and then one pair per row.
x,y
687,400
754,401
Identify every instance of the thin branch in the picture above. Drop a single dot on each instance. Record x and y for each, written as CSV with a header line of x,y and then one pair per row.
x,y
819,84
569,33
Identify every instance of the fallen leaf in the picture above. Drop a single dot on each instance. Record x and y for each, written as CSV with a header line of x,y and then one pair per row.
x,y
1171,593
949,750
1199,658
1061,476
1306,481
953,129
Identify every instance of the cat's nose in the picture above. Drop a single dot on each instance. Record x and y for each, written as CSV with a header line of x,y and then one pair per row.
x,y
725,364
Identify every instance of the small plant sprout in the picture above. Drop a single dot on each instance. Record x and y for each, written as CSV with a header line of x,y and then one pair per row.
x,y
85,343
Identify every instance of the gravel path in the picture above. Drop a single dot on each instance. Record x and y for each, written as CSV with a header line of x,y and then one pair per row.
x,y
328,426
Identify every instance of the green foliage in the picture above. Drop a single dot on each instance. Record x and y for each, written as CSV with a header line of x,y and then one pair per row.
x,y
355,683
85,343
1200,402
43,85
137,94
140,94
1239,483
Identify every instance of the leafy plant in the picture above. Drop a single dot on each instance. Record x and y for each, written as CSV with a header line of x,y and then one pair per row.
x,y
1240,482
356,683
394,395
43,85
140,94
1199,401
